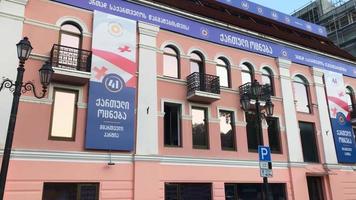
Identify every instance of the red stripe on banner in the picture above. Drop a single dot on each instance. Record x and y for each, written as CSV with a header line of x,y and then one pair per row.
x,y
342,104
117,60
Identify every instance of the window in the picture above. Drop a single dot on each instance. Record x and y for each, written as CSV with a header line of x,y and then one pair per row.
x,y
267,78
170,62
200,128
254,137
70,191
315,188
274,135
246,73
187,191
308,140
64,113
249,191
222,70
172,124
350,97
227,131
70,35
301,91
196,62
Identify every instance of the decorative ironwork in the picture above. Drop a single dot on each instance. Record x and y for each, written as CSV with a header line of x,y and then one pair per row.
x,y
246,91
70,58
203,82
7,83
26,87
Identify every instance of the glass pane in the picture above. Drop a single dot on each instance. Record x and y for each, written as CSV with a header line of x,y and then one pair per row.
x,y
274,135
194,66
70,28
172,124
349,95
199,128
246,77
266,80
301,96
195,56
254,137
308,139
63,114
169,50
70,40
170,66
223,75
226,130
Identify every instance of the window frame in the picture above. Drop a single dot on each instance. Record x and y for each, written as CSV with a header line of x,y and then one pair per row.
x,y
74,126
280,150
80,36
305,83
253,150
227,66
78,186
201,62
316,145
350,94
232,114
177,56
269,75
180,141
250,71
206,127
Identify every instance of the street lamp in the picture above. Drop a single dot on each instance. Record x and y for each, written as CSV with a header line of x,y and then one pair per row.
x,y
251,96
24,49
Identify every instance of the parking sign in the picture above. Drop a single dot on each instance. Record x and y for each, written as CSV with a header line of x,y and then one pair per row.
x,y
264,153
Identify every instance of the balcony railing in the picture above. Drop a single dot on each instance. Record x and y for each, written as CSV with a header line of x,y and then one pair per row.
x,y
203,87
353,114
70,58
246,90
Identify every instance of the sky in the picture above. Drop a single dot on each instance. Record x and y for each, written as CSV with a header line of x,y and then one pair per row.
x,y
284,6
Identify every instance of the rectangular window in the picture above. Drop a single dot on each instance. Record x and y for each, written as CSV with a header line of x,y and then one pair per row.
x,y
315,188
172,124
247,191
254,136
200,128
187,191
308,140
70,191
227,130
274,137
64,113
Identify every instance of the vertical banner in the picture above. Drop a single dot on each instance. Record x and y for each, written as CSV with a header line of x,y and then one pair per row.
x,y
340,118
110,121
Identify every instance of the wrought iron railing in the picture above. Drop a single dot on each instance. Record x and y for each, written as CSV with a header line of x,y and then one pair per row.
x,y
70,58
203,82
246,90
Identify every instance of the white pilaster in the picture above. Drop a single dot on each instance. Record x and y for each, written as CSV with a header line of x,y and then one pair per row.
x,y
11,21
326,130
290,116
147,123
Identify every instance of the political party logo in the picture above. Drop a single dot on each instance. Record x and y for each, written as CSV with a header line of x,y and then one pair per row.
x,y
260,10
341,119
245,5
204,32
113,83
309,27
274,15
320,30
284,53
287,20
115,29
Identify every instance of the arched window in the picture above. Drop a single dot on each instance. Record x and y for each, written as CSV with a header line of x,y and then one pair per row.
x,y
70,35
222,70
267,78
301,94
196,62
350,97
246,72
170,62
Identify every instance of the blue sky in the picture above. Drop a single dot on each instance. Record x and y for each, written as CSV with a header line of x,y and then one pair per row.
x,y
285,6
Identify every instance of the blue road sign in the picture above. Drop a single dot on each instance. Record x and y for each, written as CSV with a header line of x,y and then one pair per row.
x,y
264,154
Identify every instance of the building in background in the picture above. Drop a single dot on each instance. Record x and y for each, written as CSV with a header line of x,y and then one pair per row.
x,y
145,102
337,16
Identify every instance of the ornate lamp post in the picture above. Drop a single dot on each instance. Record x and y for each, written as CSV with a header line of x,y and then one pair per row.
x,y
24,49
251,96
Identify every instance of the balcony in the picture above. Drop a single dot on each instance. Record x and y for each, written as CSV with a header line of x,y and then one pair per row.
x,y
203,88
353,115
70,64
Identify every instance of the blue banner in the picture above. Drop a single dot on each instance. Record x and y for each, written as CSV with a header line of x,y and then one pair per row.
x,y
111,106
340,115
210,33
276,16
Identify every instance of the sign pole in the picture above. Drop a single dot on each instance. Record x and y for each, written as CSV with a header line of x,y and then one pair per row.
x,y
265,188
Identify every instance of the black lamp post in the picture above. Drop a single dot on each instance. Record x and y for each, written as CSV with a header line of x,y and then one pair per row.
x,y
24,49
251,96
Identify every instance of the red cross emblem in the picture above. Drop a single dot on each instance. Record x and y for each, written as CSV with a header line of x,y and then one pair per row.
x,y
100,72
125,49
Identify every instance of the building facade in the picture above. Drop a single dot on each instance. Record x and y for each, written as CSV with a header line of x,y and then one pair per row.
x,y
144,103
339,18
